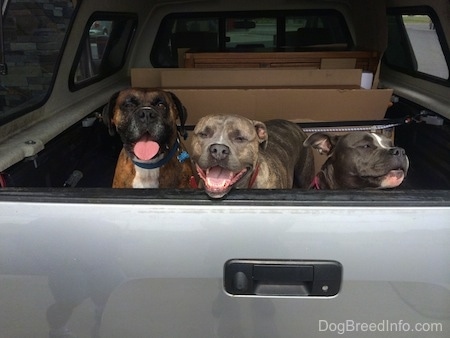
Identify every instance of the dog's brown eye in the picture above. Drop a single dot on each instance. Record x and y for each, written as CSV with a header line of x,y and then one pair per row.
x,y
240,139
161,105
129,105
202,135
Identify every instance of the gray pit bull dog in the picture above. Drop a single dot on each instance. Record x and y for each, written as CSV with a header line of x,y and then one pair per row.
x,y
358,160
233,151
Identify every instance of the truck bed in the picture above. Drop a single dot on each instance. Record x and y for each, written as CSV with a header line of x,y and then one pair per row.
x,y
93,152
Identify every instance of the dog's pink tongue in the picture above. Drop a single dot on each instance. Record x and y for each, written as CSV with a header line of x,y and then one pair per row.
x,y
146,149
393,179
219,177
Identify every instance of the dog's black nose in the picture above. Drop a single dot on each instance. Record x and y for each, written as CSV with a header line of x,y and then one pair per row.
x,y
146,114
397,151
219,151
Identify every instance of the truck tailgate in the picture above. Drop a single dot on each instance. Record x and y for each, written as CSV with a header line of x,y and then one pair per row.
x,y
160,263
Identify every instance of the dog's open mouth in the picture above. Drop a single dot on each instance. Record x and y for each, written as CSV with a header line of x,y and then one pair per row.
x,y
218,180
145,149
393,178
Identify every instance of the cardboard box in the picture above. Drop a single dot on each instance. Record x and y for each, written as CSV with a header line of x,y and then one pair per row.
x,y
299,95
313,59
263,94
249,77
346,63
287,103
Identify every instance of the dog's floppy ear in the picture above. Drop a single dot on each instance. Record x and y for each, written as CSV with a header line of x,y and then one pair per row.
x,y
107,114
261,131
182,114
324,143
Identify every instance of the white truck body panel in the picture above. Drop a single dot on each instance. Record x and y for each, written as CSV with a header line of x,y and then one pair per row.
x,y
166,263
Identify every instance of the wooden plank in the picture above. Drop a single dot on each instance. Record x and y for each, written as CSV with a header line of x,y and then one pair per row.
x,y
365,60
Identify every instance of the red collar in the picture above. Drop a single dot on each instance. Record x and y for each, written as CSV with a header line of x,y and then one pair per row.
x,y
253,178
193,182
315,183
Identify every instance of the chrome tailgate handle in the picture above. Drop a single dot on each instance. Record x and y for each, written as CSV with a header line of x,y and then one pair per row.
x,y
304,278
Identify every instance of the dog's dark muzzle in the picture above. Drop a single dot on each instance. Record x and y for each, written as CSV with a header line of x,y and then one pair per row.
x,y
397,151
219,151
399,158
146,114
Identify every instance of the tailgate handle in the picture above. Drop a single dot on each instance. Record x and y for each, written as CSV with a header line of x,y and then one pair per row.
x,y
282,278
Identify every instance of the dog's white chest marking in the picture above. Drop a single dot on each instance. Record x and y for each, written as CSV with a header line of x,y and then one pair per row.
x,y
146,178
382,143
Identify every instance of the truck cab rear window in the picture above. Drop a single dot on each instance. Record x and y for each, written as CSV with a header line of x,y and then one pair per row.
x,y
247,31
416,45
103,49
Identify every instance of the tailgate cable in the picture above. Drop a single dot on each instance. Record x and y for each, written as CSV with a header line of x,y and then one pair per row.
x,y
350,126
423,116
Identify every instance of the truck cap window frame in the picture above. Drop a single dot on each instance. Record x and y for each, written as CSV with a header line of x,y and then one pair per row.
x,y
34,36
417,45
249,31
103,48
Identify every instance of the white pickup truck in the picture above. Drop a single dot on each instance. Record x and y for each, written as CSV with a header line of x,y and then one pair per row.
x,y
80,259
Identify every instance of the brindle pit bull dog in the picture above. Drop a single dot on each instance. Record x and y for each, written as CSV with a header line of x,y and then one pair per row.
x,y
358,160
233,151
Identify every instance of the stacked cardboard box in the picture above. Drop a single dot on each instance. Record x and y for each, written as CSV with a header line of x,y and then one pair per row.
x,y
293,94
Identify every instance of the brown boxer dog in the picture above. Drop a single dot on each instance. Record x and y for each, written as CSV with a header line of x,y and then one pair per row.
x,y
153,155
358,160
233,151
